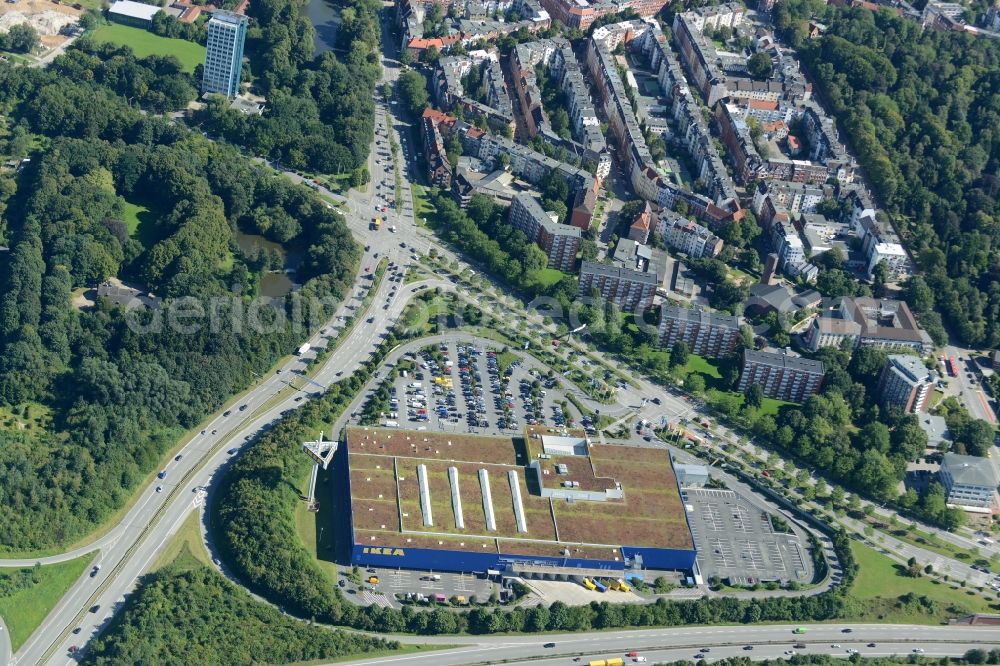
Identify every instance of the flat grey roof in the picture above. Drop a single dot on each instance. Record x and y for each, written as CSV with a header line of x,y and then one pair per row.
x,y
783,361
970,470
700,314
132,9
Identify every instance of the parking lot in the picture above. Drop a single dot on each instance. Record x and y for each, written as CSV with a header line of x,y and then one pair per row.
x,y
392,582
736,539
467,387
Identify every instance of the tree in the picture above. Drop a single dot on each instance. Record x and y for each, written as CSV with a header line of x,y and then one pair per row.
x,y
880,276
411,87
695,383
754,396
21,38
90,19
430,55
679,354
760,66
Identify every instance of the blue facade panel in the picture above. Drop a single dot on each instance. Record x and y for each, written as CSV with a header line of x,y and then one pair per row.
x,y
662,558
460,561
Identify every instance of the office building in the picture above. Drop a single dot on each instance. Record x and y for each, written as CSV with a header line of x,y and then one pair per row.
x,y
559,241
905,384
781,375
705,333
877,322
969,482
227,33
629,289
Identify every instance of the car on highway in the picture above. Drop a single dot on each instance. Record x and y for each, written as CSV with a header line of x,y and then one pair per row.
x,y
227,412
178,457
163,473
705,650
846,631
159,489
93,572
747,648
78,630
95,608
835,645
232,451
549,645
872,645
918,650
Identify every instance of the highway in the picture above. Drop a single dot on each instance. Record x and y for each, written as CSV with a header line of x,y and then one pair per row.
x,y
769,641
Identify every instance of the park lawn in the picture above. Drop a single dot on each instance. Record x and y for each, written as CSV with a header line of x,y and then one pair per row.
x,y
771,406
545,277
25,609
880,583
186,549
308,523
703,366
144,43
131,213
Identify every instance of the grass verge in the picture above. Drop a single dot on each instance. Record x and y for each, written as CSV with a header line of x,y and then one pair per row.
x,y
24,609
186,549
883,593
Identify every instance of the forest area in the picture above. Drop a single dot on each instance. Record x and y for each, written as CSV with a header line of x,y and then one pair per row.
x,y
921,110
92,397
320,111
195,616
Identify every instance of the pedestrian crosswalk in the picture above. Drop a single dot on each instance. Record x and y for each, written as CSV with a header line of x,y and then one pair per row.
x,y
375,599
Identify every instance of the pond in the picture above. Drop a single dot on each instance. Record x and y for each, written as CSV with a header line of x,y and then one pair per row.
x,y
276,283
325,20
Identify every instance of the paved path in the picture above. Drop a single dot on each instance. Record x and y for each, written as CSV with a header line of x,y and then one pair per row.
x,y
4,644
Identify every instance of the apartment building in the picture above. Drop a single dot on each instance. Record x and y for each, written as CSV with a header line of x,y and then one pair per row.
x,y
788,244
227,34
794,197
905,384
970,482
881,323
581,13
710,334
631,290
439,170
560,242
557,56
688,237
449,92
646,37
781,375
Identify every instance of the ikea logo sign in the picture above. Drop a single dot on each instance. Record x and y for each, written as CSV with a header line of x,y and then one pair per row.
x,y
375,550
